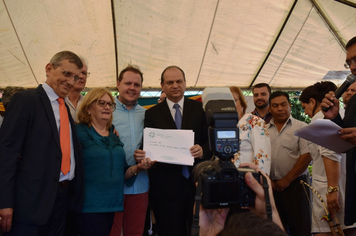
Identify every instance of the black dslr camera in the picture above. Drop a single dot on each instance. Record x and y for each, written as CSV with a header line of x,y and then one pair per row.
x,y
223,185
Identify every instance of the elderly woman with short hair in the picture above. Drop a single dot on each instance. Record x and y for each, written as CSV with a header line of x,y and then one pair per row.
x,y
105,167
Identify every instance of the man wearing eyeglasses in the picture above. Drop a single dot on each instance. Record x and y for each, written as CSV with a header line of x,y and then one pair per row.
x,y
75,97
128,120
41,171
348,133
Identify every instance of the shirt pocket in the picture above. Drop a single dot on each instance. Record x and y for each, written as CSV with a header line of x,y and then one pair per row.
x,y
291,144
320,183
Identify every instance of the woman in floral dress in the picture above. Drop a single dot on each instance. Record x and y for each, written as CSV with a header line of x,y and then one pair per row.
x,y
255,145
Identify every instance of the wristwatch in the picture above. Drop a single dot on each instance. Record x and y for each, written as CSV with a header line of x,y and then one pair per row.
x,y
333,189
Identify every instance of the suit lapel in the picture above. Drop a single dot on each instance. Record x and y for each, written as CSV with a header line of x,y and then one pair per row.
x,y
49,112
186,112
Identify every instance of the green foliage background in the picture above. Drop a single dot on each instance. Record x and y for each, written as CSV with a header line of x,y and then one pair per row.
x,y
297,109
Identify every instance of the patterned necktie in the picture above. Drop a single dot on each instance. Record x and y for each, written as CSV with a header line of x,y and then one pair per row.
x,y
178,116
64,136
178,121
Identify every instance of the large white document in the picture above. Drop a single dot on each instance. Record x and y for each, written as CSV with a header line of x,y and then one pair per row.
x,y
169,145
324,132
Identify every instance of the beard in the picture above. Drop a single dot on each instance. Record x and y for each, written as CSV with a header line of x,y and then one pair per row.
x,y
264,105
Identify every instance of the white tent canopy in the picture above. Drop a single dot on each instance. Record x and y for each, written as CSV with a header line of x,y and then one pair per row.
x,y
288,44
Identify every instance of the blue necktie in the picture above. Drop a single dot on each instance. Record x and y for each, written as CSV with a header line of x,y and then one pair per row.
x,y
178,121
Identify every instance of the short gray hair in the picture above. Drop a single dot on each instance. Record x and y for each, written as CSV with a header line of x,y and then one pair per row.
x,y
66,55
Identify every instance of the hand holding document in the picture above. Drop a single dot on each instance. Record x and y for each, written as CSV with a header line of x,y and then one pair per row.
x,y
169,145
324,133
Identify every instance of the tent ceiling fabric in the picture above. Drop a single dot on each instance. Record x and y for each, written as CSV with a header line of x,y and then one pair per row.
x,y
216,42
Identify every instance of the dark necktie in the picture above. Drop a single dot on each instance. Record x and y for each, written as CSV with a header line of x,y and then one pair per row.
x,y
178,121
64,136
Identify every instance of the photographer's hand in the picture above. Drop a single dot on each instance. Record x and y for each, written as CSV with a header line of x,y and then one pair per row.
x,y
260,202
211,221
6,219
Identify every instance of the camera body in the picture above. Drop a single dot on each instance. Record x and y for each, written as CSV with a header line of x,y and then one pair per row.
x,y
222,184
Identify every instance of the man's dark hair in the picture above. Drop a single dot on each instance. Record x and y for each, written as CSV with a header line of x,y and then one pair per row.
x,y
131,68
261,85
350,43
9,91
277,94
170,67
248,223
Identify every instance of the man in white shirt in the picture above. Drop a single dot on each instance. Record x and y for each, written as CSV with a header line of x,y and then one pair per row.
x,y
290,159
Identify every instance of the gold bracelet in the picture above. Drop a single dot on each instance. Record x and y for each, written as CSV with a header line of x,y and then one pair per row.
x,y
132,172
333,189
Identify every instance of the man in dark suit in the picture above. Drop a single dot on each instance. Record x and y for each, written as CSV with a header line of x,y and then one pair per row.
x,y
171,188
35,192
348,133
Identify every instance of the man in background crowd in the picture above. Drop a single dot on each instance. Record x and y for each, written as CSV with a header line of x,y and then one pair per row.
x,y
75,97
261,93
290,160
162,97
350,91
9,91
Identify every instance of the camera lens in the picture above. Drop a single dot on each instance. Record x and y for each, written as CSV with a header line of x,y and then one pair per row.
x,y
200,168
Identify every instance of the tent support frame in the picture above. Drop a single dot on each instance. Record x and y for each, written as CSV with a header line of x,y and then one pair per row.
x,y
328,24
274,44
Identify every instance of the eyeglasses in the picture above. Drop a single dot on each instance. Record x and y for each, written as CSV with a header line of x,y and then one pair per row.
x,y
348,63
103,103
85,74
69,74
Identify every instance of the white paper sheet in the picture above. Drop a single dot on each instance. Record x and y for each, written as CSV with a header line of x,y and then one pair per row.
x,y
324,132
169,145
